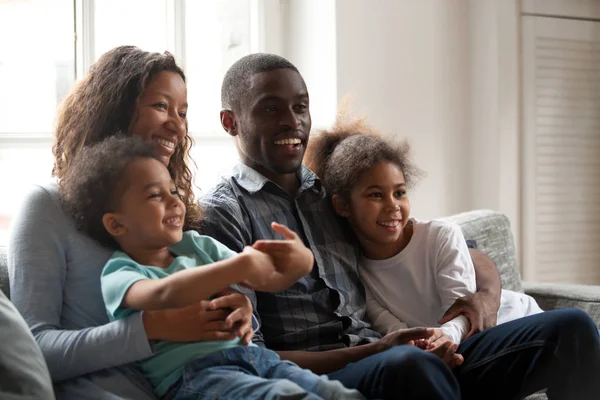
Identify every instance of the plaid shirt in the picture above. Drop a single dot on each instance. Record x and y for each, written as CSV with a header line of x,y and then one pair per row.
x,y
322,311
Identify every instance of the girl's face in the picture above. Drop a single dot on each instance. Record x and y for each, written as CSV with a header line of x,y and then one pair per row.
x,y
160,115
150,213
378,209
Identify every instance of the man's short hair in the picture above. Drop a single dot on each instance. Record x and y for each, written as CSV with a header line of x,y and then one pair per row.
x,y
237,76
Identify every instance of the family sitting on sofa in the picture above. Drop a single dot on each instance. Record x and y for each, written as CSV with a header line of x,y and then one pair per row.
x,y
278,283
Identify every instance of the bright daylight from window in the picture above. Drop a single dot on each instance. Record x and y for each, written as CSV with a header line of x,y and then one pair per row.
x,y
39,60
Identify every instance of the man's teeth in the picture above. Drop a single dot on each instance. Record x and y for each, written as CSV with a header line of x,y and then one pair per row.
x,y
288,141
166,143
390,224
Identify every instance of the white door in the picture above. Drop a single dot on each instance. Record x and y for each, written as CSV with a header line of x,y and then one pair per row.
x,y
561,150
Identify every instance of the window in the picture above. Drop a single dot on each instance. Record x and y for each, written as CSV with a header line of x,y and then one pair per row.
x,y
47,43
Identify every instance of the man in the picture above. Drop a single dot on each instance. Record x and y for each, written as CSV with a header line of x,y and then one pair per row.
x,y
319,323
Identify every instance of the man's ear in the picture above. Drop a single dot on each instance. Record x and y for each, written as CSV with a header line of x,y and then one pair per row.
x,y
341,206
228,121
113,225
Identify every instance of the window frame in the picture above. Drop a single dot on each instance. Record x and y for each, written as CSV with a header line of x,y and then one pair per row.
x,y
261,11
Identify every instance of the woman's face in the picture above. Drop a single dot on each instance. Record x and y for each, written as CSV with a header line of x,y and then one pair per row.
x,y
160,115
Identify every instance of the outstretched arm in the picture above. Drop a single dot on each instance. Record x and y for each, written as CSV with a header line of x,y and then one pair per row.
x,y
189,286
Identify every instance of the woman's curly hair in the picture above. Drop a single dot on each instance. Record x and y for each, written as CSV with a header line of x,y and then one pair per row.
x,y
103,103
93,184
340,155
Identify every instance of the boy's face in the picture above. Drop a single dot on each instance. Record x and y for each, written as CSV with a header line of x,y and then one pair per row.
x,y
273,123
378,209
150,213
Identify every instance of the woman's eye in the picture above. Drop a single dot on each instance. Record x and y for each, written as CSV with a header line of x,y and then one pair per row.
x,y
376,194
400,193
161,105
154,196
175,192
183,115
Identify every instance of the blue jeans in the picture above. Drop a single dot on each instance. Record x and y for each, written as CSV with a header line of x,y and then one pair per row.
x,y
558,350
254,373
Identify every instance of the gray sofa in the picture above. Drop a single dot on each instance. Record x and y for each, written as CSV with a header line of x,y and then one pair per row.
x,y
492,232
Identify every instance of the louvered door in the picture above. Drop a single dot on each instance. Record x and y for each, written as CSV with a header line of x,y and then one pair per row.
x,y
561,150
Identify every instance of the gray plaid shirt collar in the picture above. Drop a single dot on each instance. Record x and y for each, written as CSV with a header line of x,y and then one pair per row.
x,y
253,181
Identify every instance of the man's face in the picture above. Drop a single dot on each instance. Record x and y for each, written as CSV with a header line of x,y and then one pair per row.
x,y
273,122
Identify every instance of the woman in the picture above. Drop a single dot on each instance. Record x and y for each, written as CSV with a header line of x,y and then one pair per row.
x,y
55,270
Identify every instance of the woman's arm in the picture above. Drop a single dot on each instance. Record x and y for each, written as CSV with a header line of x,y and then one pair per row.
x,y
39,267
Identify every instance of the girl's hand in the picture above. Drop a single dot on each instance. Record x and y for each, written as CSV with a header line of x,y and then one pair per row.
x,y
240,317
442,346
194,323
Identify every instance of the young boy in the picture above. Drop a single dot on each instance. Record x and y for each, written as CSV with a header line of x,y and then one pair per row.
x,y
157,266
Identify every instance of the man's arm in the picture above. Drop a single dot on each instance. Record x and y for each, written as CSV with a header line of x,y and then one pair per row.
x,y
481,308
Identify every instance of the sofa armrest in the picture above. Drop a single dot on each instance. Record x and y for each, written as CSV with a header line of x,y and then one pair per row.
x,y
560,295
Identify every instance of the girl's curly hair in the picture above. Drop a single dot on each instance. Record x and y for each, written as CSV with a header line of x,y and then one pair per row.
x,y
103,103
340,155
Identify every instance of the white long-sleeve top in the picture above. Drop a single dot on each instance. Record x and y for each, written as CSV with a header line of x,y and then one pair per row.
x,y
416,286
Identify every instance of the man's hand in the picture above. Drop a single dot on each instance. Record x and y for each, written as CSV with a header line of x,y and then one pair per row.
x,y
291,257
480,308
442,346
240,318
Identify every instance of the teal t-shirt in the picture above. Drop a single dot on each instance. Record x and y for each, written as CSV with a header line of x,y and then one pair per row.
x,y
165,367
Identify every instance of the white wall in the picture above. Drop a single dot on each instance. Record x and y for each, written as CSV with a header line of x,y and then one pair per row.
x,y
442,73
309,42
407,64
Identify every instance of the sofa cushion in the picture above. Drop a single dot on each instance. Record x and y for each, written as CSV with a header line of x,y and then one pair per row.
x,y
491,231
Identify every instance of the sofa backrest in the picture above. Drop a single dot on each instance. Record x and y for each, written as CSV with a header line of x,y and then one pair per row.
x,y
4,287
492,232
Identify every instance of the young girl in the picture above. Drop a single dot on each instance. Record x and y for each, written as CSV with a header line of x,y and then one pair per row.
x,y
122,195
413,270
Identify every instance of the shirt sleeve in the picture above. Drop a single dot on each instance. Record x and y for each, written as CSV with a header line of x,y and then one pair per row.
x,y
117,277
383,320
38,267
455,276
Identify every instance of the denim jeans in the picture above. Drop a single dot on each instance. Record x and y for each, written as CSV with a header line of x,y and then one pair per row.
x,y
558,350
254,373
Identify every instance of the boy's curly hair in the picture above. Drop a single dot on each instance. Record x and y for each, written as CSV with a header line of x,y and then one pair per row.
x,y
92,186
340,155
103,103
